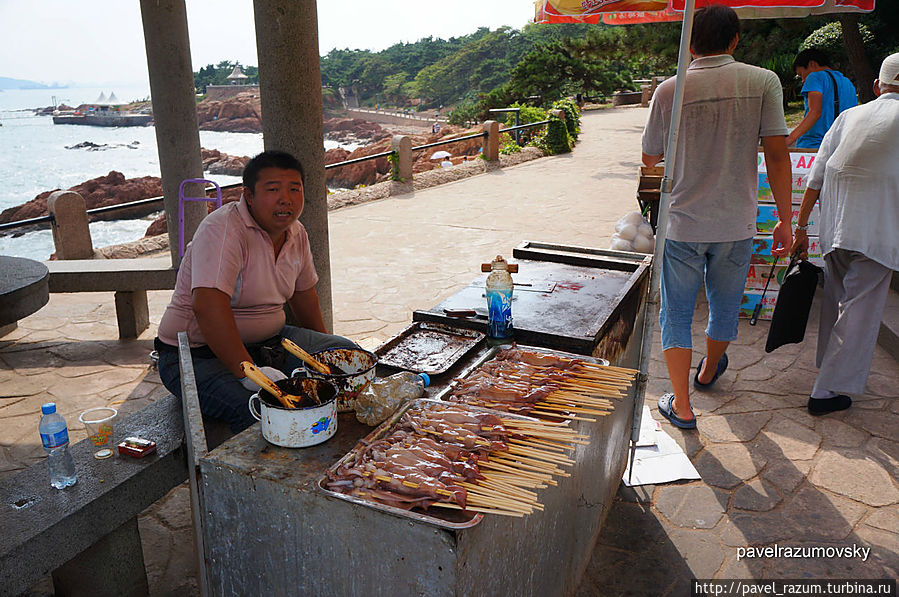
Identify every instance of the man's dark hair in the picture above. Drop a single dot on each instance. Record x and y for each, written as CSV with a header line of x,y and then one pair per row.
x,y
804,57
714,28
270,159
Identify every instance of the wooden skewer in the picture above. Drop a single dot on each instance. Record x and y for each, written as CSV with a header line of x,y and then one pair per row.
x,y
540,455
474,509
304,356
560,415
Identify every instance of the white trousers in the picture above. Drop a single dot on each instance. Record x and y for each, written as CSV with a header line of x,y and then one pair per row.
x,y
855,292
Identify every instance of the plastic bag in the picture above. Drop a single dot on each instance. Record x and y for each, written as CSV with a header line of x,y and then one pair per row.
x,y
633,233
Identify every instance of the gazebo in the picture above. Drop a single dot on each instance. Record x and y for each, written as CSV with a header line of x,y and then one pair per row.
x,y
237,76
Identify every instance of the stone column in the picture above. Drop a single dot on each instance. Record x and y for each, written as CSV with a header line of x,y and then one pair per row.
x,y
71,231
174,111
291,95
490,147
402,145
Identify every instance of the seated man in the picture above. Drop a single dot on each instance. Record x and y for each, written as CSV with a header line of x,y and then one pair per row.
x,y
246,260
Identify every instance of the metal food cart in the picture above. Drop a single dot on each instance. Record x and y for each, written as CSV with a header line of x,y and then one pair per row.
x,y
269,527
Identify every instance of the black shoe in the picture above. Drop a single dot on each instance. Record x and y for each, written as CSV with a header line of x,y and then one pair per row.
x,y
822,406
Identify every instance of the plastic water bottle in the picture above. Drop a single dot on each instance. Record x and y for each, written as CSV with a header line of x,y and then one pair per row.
x,y
55,438
382,397
499,302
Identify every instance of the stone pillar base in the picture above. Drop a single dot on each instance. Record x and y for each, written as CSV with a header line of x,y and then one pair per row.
x,y
114,565
132,312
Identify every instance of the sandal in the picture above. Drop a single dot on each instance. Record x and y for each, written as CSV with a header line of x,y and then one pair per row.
x,y
722,367
666,409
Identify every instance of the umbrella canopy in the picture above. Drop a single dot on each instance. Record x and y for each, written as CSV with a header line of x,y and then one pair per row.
x,y
437,155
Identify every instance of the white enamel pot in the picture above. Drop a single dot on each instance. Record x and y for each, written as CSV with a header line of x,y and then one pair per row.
x,y
297,427
359,370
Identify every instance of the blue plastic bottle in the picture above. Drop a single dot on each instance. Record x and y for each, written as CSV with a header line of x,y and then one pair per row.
x,y
499,302
55,439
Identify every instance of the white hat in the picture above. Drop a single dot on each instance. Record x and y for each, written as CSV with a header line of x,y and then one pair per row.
x,y
889,70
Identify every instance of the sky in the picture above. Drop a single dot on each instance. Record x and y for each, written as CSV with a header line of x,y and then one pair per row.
x,y
98,42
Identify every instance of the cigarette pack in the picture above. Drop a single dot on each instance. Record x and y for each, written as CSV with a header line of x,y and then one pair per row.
x,y
136,447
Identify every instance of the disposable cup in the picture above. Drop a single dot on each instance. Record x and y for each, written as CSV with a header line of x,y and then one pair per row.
x,y
99,423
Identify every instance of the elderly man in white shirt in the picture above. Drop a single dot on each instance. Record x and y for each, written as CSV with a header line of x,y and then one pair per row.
x,y
856,174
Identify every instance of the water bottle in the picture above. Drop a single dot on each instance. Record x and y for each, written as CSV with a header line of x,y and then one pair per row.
x,y
499,302
382,397
55,438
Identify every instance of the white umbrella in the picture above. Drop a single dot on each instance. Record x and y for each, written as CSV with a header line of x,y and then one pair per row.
x,y
438,155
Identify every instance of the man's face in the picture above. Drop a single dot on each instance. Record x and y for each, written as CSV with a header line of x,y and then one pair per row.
x,y
277,199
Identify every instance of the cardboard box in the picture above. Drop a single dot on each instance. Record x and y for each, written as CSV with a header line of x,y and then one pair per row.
x,y
767,218
758,275
797,191
761,251
751,299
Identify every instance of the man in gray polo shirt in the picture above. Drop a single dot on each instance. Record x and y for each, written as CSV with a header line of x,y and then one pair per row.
x,y
728,106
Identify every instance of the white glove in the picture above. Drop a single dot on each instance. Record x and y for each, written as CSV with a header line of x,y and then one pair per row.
x,y
270,372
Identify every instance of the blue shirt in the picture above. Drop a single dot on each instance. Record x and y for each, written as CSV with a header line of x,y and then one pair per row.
x,y
821,82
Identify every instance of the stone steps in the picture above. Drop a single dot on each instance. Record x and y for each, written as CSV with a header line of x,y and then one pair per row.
x,y
889,327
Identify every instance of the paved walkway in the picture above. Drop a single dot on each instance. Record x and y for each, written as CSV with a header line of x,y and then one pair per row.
x,y
771,473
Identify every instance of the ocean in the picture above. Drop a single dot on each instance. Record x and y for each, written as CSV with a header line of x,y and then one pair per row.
x,y
34,158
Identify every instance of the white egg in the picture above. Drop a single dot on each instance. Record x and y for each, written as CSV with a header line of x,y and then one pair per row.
x,y
628,232
619,244
645,229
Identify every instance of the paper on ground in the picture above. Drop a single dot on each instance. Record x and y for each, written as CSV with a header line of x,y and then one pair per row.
x,y
658,459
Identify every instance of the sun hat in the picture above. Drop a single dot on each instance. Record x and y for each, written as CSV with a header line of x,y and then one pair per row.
x,y
889,70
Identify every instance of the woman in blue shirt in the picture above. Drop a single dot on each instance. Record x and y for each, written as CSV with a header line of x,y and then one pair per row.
x,y
819,82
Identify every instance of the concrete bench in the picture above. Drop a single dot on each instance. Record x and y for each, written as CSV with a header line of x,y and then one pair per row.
x,y
87,535
130,279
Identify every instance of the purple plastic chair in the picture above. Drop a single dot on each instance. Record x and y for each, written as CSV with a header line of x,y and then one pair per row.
x,y
182,199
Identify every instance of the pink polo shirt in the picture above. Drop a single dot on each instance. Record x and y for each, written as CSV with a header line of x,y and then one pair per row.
x,y
231,253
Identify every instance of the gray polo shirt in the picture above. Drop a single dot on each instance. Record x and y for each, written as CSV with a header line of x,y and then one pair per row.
x,y
728,105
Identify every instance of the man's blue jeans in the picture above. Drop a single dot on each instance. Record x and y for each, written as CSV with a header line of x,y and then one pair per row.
x,y
723,267
222,396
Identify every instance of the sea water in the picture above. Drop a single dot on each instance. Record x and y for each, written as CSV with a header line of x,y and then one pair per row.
x,y
34,158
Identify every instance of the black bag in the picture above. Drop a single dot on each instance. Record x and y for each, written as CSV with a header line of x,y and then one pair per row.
x,y
794,301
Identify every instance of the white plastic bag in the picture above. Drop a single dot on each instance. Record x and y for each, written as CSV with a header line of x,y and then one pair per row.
x,y
633,233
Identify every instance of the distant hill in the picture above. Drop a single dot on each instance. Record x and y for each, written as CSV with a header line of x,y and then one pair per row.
x,y
7,83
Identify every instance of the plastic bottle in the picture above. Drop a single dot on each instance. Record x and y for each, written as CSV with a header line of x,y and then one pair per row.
x,y
382,397
55,438
499,302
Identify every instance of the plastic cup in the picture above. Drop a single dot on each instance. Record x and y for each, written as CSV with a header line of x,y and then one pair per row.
x,y
99,424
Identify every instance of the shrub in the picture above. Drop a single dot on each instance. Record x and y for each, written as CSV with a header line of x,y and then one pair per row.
x,y
557,138
572,115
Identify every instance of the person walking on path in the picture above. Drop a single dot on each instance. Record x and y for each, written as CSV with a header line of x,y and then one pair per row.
x,y
826,93
856,176
727,107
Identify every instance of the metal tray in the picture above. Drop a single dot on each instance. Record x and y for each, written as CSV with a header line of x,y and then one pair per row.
x,y
430,348
440,517
490,354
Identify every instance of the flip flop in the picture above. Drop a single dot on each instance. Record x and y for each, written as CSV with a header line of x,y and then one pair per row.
x,y
667,410
722,367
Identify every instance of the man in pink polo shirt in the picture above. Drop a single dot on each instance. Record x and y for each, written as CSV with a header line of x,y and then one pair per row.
x,y
247,259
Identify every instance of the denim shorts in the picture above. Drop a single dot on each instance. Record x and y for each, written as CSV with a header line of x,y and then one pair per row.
x,y
685,266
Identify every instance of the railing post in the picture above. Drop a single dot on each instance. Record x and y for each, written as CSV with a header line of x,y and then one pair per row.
x,y
71,233
402,145
491,141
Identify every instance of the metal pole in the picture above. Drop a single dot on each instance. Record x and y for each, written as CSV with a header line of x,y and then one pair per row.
x,y
683,61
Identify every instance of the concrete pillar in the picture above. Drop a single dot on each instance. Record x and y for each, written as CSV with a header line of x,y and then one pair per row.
x,y
114,565
71,233
491,141
174,112
132,312
402,145
290,91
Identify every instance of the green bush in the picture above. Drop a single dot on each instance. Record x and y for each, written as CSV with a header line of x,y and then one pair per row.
x,y
557,138
507,144
572,115
830,38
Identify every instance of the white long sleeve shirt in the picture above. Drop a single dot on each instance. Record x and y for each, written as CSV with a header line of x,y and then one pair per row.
x,y
857,171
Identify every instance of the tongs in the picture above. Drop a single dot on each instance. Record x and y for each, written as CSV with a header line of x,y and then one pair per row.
x,y
304,356
286,400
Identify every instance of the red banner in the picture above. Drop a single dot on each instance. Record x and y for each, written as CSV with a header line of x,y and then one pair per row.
x,y
590,11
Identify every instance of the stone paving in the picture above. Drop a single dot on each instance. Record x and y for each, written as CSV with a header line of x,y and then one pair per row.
x,y
772,474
